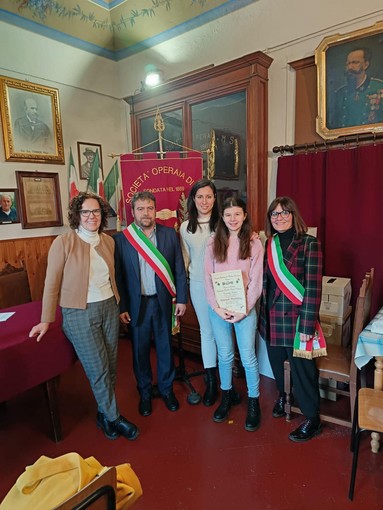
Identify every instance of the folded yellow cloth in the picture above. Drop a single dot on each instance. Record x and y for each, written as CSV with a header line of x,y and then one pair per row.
x,y
49,482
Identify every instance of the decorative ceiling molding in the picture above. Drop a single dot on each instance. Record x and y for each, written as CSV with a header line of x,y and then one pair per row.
x,y
114,29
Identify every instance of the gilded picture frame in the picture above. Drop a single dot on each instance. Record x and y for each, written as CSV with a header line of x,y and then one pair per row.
x,y
31,122
223,155
9,206
40,201
350,83
86,154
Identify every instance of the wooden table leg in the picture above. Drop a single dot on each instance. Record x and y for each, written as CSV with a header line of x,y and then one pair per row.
x,y
378,385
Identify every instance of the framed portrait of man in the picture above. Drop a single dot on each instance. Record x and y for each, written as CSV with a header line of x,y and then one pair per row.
x,y
86,154
31,122
9,206
350,83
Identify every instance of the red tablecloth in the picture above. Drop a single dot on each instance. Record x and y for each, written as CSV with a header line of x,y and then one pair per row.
x,y
24,362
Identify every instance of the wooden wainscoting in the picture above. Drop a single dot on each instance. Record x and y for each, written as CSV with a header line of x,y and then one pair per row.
x,y
30,253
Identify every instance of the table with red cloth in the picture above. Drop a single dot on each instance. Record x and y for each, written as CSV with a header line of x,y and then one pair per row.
x,y
26,363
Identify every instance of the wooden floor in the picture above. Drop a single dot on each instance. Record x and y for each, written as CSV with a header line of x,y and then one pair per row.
x,y
184,460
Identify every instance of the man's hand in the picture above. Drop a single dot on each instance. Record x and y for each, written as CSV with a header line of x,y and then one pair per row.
x,y
180,309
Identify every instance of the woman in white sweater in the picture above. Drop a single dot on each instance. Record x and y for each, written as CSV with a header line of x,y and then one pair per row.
x,y
195,232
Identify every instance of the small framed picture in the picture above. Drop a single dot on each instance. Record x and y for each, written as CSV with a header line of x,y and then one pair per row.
x,y
9,206
40,201
350,83
31,121
86,154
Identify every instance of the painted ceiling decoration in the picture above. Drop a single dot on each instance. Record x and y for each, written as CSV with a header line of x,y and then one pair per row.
x,y
114,29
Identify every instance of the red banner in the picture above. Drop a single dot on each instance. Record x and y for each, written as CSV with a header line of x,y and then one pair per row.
x,y
169,179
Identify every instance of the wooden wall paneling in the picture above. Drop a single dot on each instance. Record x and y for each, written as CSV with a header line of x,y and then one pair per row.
x,y
31,254
306,105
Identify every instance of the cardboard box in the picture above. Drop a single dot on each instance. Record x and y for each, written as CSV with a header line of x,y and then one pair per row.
x,y
336,295
337,330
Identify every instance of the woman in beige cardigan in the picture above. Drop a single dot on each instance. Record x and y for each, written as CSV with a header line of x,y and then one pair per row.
x,y
80,278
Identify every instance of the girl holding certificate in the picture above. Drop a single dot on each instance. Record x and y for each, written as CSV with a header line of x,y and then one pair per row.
x,y
235,247
289,313
203,216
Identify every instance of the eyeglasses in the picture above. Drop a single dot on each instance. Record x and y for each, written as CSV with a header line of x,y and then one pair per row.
x,y
284,214
86,212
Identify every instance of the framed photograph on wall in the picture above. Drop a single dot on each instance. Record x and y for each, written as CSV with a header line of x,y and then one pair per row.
x,y
31,121
86,154
40,201
9,206
350,83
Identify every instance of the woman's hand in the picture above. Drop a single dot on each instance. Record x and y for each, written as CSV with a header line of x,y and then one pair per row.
x,y
223,313
236,317
39,330
125,318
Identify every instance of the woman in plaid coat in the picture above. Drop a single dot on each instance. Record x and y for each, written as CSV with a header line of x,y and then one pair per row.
x,y
302,257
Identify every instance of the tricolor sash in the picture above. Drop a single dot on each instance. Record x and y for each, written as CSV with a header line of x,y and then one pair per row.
x,y
156,261
294,291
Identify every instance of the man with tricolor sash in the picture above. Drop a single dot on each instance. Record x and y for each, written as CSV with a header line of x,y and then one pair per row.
x,y
292,285
151,280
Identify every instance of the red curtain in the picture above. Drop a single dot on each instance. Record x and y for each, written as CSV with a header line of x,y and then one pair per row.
x,y
338,191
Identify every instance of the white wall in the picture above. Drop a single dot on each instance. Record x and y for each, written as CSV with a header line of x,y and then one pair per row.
x,y
285,30
91,109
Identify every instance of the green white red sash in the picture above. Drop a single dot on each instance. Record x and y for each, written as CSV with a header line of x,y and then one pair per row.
x,y
294,291
156,261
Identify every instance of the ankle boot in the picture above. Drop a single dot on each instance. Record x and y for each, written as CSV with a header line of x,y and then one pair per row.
x,y
211,392
222,410
235,397
253,417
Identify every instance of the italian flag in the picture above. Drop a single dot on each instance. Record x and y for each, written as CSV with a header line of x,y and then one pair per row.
x,y
95,181
72,178
113,192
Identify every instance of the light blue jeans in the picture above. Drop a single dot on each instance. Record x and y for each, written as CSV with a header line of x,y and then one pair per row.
x,y
208,345
245,334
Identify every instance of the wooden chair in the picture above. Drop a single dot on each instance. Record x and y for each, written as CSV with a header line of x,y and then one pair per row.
x,y
99,494
14,286
368,417
339,364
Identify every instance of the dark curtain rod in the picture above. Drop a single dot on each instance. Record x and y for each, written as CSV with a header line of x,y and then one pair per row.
x,y
346,142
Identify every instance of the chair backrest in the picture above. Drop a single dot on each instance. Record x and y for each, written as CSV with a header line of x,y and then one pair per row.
x,y
362,308
361,319
99,494
14,287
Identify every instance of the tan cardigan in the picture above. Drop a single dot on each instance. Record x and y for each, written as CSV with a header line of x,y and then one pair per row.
x,y
67,278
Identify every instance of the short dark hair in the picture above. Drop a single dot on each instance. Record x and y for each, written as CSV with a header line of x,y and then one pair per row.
x,y
287,204
75,207
367,55
192,209
143,195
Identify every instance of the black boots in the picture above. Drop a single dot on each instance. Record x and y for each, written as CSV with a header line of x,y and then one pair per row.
x,y
211,392
279,407
253,417
229,398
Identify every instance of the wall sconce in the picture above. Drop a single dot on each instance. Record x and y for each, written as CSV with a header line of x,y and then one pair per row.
x,y
153,77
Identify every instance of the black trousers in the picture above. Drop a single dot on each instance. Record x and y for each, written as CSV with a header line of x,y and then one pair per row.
x,y
304,378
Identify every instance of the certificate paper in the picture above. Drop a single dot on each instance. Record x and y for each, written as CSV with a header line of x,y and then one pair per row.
x,y
229,290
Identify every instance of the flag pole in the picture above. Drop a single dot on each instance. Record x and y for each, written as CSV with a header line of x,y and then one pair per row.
x,y
159,126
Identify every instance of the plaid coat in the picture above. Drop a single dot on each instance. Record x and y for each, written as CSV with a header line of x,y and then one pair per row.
x,y
303,259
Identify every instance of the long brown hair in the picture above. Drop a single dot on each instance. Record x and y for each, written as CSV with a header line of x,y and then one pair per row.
x,y
287,204
222,234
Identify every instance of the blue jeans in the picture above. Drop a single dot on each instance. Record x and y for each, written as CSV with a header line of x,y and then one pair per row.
x,y
208,345
245,334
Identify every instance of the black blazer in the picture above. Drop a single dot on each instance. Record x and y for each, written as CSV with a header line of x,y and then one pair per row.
x,y
128,273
